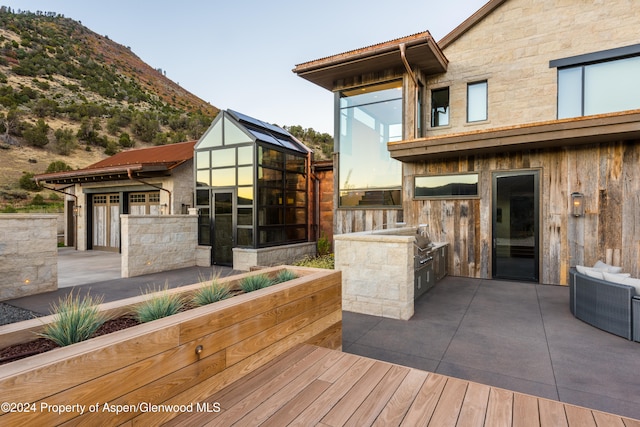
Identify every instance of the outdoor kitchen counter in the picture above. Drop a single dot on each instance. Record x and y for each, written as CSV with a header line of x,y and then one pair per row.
x,y
378,271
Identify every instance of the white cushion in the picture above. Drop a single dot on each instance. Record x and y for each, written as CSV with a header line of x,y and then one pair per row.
x,y
582,269
633,282
592,272
615,278
606,267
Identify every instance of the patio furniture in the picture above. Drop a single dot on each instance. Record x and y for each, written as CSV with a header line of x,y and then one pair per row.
x,y
635,307
605,305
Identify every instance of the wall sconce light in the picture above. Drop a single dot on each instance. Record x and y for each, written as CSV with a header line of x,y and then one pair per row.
x,y
577,204
77,210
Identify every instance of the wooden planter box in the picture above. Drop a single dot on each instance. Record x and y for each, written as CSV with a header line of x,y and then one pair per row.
x,y
159,362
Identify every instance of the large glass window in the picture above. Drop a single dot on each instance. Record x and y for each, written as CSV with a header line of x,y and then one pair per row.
x,y
446,186
599,88
282,196
440,107
370,117
477,101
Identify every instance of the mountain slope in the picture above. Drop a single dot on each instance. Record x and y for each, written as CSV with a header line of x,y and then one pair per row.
x,y
67,93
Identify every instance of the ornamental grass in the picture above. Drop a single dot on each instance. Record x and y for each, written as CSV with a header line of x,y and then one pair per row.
x,y
75,319
161,304
253,283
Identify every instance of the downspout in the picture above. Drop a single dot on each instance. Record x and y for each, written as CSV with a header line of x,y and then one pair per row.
x,y
403,55
75,222
130,175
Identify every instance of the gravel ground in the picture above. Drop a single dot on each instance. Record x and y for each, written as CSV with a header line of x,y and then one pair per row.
x,y
11,314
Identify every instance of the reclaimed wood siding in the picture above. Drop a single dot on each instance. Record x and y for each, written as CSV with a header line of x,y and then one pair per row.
x,y
355,220
608,175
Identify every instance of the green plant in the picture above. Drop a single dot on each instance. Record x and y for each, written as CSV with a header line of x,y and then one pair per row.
x,y
75,319
210,293
253,283
38,200
160,305
326,261
285,276
323,246
27,182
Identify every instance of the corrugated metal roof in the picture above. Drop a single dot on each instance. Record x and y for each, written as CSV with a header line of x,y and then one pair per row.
x,y
152,159
163,154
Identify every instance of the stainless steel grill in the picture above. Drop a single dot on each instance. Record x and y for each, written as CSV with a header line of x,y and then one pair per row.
x,y
423,273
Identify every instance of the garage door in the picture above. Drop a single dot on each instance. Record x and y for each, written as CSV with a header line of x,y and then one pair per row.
x,y
144,203
106,222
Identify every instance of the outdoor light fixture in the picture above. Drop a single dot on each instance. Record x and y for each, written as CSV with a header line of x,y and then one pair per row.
x,y
577,204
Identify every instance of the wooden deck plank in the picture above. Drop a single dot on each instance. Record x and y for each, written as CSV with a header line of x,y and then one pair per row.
x,y
500,408
579,417
399,404
448,408
340,368
309,385
340,413
425,402
322,405
379,397
299,403
255,394
552,413
609,420
270,370
278,399
474,406
628,422
525,411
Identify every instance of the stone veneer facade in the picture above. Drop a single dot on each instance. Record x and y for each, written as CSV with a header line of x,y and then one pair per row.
x,y
511,49
154,243
377,273
246,258
28,255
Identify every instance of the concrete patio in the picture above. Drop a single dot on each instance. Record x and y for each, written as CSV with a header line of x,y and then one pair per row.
x,y
512,335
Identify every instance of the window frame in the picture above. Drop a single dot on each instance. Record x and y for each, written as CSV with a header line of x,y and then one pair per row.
x,y
484,82
448,196
344,110
448,107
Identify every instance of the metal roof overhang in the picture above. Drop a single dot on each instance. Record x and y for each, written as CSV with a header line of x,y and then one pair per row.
x,y
422,53
111,173
558,133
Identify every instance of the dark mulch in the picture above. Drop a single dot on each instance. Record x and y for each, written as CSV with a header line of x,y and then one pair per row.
x,y
41,345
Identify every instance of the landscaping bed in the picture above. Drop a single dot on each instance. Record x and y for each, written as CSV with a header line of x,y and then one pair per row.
x,y
179,359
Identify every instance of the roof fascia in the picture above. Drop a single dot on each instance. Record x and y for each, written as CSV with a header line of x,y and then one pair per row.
x,y
468,23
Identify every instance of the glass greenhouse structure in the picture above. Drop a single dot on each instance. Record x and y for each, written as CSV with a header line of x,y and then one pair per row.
x,y
251,186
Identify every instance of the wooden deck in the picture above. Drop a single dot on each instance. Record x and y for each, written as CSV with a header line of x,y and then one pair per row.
x,y
315,386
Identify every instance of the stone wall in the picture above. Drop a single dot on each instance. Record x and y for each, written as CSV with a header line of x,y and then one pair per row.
x,y
28,255
245,258
154,243
377,272
511,49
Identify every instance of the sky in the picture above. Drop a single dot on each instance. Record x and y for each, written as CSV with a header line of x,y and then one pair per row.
x,y
239,54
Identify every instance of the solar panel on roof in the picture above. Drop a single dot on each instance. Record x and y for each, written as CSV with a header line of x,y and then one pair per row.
x,y
264,137
259,123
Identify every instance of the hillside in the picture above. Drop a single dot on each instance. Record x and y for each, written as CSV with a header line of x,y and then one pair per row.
x,y
69,94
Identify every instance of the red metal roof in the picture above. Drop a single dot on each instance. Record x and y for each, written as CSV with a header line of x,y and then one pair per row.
x,y
171,155
159,159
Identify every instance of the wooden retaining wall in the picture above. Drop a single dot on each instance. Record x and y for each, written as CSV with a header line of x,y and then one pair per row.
x,y
158,362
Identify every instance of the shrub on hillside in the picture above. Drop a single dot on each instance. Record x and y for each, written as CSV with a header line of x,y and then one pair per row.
x,y
28,183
